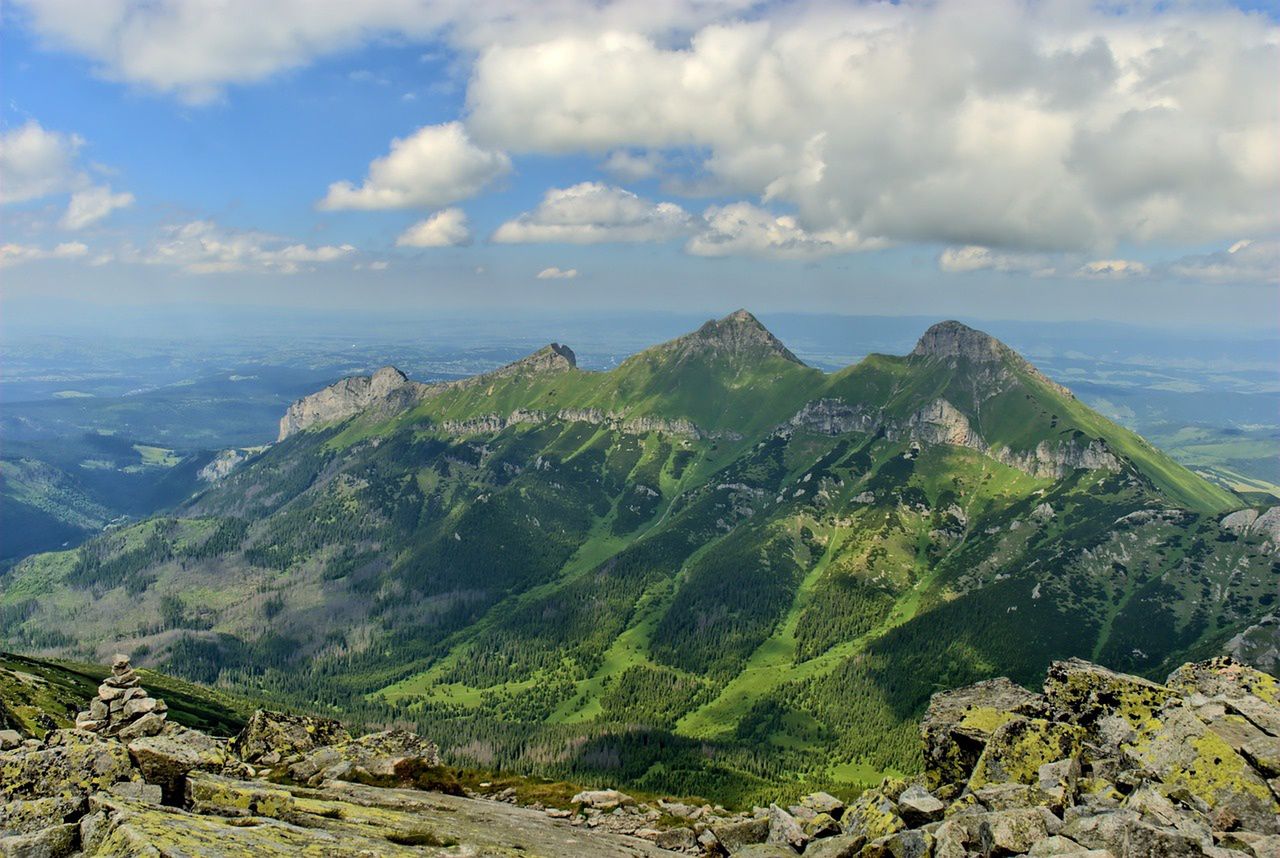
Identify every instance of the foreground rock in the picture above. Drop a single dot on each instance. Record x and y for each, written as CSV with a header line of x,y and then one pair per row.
x,y
1100,764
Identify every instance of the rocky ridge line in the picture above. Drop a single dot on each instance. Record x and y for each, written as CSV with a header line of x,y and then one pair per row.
x,y
389,390
940,422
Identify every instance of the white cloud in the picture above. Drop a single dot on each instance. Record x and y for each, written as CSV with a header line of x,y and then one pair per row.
x,y
92,205
1058,126
436,165
445,228
1102,269
959,260
554,273
204,247
593,213
632,167
742,228
35,163
1004,124
1246,261
12,254
191,49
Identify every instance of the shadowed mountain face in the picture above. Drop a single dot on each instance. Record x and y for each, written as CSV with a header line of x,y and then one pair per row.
x,y
705,569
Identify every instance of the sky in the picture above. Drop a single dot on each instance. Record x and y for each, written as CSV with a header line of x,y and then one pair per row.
x,y
1054,160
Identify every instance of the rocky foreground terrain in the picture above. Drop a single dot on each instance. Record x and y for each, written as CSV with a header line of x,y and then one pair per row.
x,y
1099,764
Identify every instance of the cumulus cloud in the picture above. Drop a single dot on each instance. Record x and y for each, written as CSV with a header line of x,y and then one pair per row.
x,y
1032,127
554,273
742,228
445,228
204,247
12,254
436,165
180,46
1035,127
35,162
92,205
594,213
1246,261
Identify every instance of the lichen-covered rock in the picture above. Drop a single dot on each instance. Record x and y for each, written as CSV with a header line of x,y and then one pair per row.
x,y
269,737
873,815
167,758
601,799
958,723
391,758
1017,749
53,842
1105,703
69,764
25,816
1182,752
823,802
902,844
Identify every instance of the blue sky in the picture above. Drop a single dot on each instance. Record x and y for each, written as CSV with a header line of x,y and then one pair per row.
x,y
999,159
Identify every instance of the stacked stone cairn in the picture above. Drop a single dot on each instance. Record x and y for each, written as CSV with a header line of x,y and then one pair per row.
x,y
123,708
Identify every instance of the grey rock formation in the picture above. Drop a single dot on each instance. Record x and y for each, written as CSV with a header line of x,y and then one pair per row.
x,y
1248,522
1258,646
940,422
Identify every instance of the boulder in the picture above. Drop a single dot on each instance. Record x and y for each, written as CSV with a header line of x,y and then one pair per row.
x,y
874,815
53,842
70,763
734,836
918,806
958,723
603,799
166,759
29,815
902,844
823,802
269,737
784,830
840,846
1017,749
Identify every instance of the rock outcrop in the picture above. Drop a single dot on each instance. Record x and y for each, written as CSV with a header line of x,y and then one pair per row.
x,y
1249,522
387,390
940,422
489,424
1099,764
1258,645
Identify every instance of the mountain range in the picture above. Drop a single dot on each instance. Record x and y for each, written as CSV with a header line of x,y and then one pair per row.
x,y
707,569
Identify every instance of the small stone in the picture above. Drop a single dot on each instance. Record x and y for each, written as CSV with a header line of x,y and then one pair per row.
x,y
9,739
148,725
918,806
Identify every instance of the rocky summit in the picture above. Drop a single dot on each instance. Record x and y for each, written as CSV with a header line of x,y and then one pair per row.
x,y
1099,764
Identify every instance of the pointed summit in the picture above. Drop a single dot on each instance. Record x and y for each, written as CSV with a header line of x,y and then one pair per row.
x,y
550,358
738,334
954,339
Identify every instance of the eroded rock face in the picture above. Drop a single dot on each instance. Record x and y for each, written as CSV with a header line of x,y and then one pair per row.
x,y
389,391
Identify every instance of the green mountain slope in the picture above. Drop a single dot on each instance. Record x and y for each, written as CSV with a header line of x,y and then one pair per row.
x,y
703,571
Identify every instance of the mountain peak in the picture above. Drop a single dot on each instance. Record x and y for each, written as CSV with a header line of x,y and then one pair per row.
x,y
738,334
955,339
553,357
